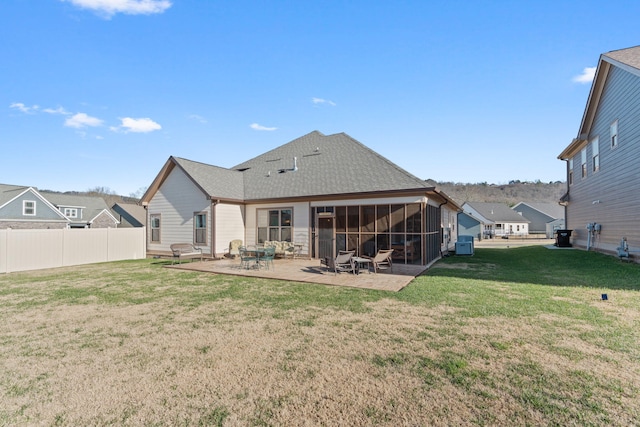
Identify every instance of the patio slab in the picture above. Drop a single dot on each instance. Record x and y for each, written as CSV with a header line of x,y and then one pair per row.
x,y
310,271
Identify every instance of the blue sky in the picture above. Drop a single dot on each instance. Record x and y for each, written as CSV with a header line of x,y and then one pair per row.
x,y
99,93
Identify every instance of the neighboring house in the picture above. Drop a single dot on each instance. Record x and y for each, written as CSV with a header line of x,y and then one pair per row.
x,y
468,225
602,161
325,193
544,218
498,219
27,208
130,215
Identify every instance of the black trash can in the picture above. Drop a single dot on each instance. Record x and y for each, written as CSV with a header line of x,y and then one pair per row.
x,y
563,238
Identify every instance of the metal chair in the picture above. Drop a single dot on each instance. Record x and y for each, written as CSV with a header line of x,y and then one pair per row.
x,y
344,262
267,258
248,259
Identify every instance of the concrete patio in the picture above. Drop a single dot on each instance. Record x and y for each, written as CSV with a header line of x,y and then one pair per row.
x,y
310,271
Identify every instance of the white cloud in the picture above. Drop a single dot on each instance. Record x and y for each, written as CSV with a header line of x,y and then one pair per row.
x,y
82,120
24,108
58,110
323,101
109,8
256,126
142,125
587,75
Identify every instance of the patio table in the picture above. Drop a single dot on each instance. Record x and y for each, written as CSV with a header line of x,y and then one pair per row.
x,y
361,263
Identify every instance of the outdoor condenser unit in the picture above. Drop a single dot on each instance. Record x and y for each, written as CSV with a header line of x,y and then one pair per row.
x,y
464,245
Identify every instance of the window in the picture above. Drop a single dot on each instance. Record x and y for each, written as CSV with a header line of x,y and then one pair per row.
x,y
200,228
583,159
614,134
570,171
274,224
28,207
155,228
71,212
595,154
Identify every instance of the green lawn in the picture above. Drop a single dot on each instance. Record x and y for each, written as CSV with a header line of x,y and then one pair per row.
x,y
515,336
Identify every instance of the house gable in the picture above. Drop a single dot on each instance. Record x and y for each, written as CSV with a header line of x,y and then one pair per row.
x,y
12,199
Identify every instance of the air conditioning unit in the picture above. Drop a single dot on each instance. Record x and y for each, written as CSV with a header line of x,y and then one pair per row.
x,y
464,245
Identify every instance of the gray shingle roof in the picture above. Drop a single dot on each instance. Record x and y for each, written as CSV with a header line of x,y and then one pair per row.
x,y
553,210
214,181
629,56
326,165
497,212
92,205
8,192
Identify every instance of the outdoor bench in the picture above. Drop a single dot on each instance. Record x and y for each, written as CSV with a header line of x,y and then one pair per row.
x,y
185,250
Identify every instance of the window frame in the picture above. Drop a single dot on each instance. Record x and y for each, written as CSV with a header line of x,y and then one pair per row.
x,y
583,162
71,212
157,229
570,178
613,134
197,231
265,232
595,154
26,208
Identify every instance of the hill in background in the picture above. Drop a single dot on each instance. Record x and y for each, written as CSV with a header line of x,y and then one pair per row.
x,y
510,194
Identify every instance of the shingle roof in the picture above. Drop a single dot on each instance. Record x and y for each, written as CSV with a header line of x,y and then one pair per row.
x,y
553,210
326,165
497,212
130,215
8,192
214,181
92,205
629,56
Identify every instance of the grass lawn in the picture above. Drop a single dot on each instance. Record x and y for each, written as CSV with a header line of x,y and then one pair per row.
x,y
515,336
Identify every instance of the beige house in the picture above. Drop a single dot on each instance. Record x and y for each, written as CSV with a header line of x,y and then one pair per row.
x,y
323,192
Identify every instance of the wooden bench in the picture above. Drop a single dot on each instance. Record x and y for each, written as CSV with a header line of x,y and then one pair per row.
x,y
185,250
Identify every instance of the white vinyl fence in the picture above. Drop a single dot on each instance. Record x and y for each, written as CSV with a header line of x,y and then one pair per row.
x,y
22,250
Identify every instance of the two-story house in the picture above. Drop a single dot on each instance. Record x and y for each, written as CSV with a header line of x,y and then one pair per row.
x,y
603,181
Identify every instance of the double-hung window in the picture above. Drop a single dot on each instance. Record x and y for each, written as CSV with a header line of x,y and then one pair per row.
x,y
583,162
28,207
595,153
614,134
155,228
275,224
200,228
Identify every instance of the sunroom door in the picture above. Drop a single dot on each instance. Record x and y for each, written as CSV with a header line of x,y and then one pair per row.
x,y
325,237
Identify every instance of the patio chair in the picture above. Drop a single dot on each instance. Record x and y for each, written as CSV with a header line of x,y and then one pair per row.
x,y
344,262
267,258
248,259
234,248
382,260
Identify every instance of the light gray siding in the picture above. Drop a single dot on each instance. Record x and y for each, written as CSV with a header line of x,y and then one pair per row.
x,y
538,220
610,196
177,200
